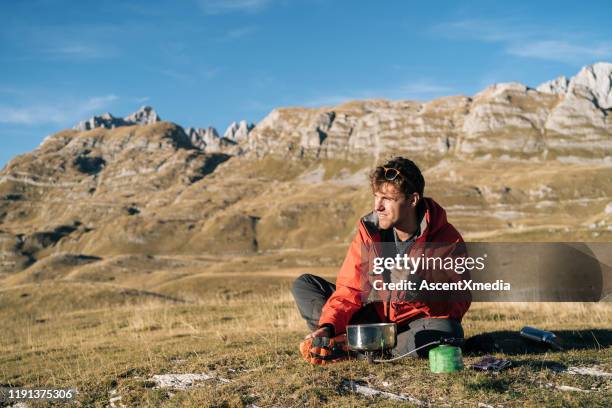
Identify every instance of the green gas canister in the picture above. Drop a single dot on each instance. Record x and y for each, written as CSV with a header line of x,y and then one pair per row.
x,y
445,359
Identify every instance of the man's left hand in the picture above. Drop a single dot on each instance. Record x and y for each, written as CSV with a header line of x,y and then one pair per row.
x,y
324,350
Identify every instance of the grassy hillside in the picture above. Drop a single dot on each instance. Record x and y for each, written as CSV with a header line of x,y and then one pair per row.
x,y
107,326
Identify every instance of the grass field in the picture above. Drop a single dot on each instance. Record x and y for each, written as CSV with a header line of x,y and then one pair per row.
x,y
100,329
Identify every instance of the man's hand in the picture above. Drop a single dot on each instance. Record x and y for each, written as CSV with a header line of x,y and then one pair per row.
x,y
319,348
320,332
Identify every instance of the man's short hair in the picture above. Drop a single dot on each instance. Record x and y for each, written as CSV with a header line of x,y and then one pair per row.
x,y
408,181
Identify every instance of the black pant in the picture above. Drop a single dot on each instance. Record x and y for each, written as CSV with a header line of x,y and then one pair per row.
x,y
311,293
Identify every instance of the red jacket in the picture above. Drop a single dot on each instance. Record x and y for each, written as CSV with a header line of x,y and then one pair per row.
x,y
354,282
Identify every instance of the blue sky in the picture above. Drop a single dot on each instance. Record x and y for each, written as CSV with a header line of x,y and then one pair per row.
x,y
210,62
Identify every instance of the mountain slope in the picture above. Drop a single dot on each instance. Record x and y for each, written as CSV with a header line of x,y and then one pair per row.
x,y
509,163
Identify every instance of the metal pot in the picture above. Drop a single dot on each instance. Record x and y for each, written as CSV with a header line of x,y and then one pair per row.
x,y
372,336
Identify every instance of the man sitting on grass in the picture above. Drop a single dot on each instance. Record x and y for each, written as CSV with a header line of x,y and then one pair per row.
x,y
405,220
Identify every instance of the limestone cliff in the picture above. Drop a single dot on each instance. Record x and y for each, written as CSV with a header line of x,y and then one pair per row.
x,y
564,119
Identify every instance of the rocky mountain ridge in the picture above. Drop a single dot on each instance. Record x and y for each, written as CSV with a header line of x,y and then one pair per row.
x,y
565,119
509,163
205,139
561,119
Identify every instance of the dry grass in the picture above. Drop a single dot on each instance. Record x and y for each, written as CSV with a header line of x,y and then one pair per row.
x,y
99,337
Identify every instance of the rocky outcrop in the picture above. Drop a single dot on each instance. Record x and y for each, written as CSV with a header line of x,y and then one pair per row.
x,y
556,86
143,116
204,138
231,142
594,82
238,132
580,123
209,140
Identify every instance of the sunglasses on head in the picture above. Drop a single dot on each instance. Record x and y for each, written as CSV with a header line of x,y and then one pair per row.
x,y
391,173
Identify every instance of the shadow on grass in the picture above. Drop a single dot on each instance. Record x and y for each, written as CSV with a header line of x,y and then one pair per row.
x,y
497,385
536,365
511,343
